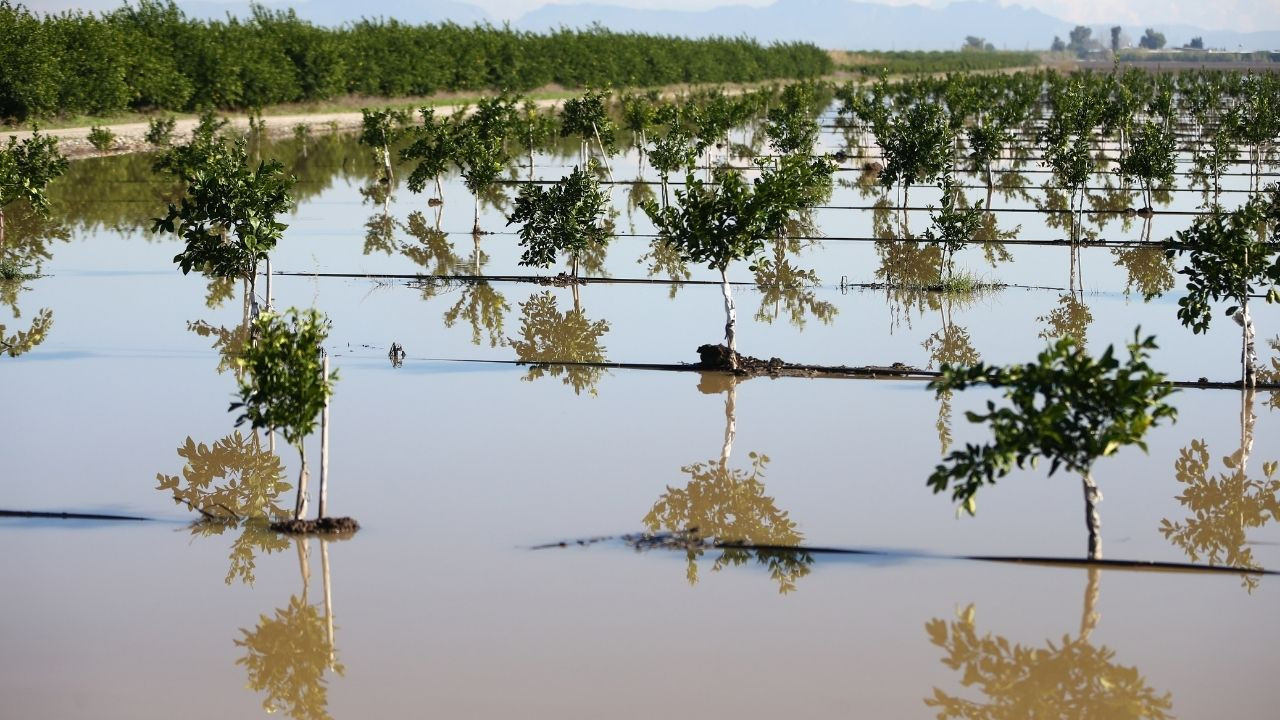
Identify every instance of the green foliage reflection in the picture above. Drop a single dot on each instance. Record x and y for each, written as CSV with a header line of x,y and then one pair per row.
x,y
1070,678
235,483
725,505
549,338
1224,507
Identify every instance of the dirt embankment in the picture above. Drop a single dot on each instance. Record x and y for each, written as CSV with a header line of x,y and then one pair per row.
x,y
132,137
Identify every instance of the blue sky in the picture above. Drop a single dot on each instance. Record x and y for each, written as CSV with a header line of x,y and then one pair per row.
x,y
1242,15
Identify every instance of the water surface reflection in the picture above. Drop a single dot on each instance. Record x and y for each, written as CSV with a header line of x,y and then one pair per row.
x,y
234,484
289,655
1069,678
1224,507
550,338
723,504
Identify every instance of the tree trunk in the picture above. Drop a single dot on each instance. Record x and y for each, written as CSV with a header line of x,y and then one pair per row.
x,y
300,506
730,423
1091,499
304,564
730,320
475,227
1089,616
253,290
604,155
324,446
1248,351
268,283
328,599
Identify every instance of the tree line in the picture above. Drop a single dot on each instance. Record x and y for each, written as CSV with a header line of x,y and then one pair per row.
x,y
150,55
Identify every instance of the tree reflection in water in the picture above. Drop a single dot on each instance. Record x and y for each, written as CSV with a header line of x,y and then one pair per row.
x,y
288,655
950,345
1224,507
1149,271
479,304
786,288
25,247
663,258
1071,678
549,339
234,484
720,504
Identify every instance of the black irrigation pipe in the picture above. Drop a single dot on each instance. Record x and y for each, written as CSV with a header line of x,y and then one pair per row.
x,y
1050,211
552,280
648,542
547,280
68,515
512,182
842,372
1055,242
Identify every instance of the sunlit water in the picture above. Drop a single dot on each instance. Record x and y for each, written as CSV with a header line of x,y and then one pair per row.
x,y
458,469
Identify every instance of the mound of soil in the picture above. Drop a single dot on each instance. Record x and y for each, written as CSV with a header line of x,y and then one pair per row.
x,y
323,526
719,357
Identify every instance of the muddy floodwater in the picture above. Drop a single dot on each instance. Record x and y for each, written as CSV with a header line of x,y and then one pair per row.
x,y
523,550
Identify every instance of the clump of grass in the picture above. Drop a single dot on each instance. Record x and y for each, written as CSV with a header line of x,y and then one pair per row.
x,y
960,282
160,130
964,282
101,138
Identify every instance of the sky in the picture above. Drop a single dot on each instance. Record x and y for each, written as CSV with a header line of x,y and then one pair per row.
x,y
1241,15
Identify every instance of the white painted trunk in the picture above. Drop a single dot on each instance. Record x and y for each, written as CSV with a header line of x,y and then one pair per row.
x,y
300,506
730,423
328,599
1248,349
730,320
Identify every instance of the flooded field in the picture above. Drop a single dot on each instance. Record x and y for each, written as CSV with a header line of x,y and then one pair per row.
x,y
522,550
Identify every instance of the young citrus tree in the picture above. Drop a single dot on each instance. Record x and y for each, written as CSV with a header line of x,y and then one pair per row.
x,y
379,130
791,126
1150,158
1067,408
26,168
535,129
1230,255
434,146
587,117
284,385
1067,141
917,147
480,147
954,225
568,217
228,215
673,150
730,219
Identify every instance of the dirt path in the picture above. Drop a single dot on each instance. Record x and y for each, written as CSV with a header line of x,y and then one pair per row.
x,y
131,137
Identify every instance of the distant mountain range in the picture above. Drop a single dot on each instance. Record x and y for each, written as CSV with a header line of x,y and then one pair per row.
x,y
832,24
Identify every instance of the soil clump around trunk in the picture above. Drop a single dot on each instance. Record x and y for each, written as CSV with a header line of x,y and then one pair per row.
x,y
323,526
718,358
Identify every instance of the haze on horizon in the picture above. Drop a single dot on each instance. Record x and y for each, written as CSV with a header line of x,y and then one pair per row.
x,y
1236,15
